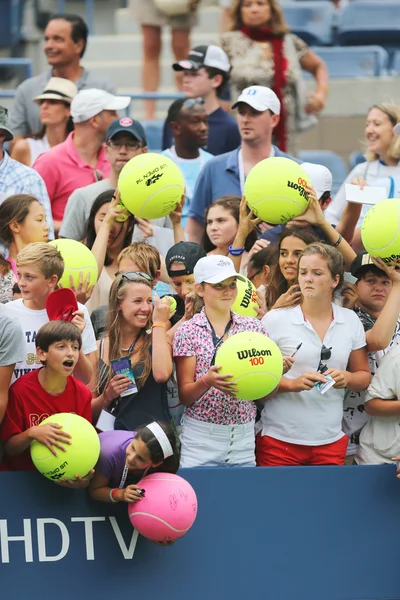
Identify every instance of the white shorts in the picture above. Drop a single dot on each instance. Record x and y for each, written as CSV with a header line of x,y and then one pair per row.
x,y
208,445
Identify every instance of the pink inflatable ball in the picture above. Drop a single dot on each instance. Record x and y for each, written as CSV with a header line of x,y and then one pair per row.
x,y
168,509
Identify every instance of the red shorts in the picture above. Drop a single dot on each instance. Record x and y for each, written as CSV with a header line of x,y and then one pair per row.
x,y
271,452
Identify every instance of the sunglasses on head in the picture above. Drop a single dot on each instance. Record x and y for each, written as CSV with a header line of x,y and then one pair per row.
x,y
190,102
134,276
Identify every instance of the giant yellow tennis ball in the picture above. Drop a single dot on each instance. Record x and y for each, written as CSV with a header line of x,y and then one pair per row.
x,y
77,257
275,190
79,458
246,299
380,230
255,362
151,185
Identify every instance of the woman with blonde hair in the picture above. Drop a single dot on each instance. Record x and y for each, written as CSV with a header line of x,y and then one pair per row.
x,y
135,331
382,166
262,51
302,423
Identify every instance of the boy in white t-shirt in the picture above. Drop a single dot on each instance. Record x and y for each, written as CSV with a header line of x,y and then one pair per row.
x,y
39,267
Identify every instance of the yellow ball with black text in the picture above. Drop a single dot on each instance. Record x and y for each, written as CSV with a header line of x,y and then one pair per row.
x,y
246,302
275,190
151,185
380,230
79,457
172,307
77,259
255,362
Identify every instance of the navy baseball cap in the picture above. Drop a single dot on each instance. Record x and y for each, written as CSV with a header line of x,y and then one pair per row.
x,y
127,125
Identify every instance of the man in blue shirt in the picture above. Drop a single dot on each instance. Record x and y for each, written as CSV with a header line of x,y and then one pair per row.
x,y
189,123
205,73
258,110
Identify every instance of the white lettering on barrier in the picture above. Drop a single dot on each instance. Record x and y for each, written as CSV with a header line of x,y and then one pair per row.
x,y
5,539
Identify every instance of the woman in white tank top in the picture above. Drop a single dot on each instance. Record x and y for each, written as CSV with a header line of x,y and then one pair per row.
x,y
55,118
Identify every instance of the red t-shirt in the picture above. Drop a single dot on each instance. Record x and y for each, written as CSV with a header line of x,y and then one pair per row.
x,y
29,404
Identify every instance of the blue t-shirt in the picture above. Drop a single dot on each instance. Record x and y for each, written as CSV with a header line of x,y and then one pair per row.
x,y
191,170
223,133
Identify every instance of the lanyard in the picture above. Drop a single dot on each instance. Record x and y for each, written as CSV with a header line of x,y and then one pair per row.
x,y
216,340
391,192
125,475
132,346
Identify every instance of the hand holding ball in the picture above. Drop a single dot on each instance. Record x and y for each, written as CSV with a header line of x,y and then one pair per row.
x,y
256,362
172,307
77,258
168,509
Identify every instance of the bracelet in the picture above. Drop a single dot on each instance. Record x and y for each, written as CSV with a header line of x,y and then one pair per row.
x,y
235,251
111,495
338,241
204,381
158,324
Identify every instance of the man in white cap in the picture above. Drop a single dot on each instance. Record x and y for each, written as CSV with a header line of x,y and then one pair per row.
x,y
81,159
258,109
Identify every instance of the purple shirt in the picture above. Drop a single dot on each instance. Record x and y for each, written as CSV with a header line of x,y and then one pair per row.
x,y
113,445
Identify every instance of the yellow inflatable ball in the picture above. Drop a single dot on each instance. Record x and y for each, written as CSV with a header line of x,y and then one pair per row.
x,y
79,457
77,257
255,362
151,185
275,190
380,230
246,302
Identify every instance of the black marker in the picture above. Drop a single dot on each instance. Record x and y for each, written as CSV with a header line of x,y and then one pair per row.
x,y
298,348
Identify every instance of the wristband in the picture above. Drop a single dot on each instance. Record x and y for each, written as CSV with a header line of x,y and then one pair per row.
x,y
111,495
235,251
338,241
204,381
158,324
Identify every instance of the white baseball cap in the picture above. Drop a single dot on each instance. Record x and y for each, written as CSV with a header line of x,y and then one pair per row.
x,y
260,98
320,178
204,56
396,129
89,103
214,269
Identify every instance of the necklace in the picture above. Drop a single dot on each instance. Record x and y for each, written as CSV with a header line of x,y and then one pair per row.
x,y
132,346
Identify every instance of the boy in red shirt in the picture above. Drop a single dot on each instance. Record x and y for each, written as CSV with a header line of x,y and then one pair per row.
x,y
44,392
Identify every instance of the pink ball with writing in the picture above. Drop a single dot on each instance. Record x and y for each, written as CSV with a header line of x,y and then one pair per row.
x,y
168,509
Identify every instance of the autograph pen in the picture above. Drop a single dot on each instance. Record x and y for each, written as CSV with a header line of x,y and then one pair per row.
x,y
298,348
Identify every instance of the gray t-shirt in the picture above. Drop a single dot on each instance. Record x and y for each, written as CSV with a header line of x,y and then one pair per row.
x,y
24,115
78,209
12,340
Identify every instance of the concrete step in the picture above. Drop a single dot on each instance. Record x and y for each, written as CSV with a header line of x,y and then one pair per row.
x,y
208,21
125,73
129,47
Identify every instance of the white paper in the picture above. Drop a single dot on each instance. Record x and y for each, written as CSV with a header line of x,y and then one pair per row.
x,y
371,194
106,421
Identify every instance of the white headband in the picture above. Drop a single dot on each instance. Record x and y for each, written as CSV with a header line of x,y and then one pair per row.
x,y
162,438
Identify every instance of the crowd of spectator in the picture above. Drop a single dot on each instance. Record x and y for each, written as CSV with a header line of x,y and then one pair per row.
x,y
333,310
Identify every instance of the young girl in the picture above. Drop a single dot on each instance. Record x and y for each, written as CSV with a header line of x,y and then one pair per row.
x,y
301,425
22,221
55,117
223,219
137,331
282,278
106,237
217,429
126,457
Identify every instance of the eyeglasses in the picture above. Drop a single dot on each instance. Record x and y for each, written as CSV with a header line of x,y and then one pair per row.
x,y
325,355
134,276
190,102
128,145
254,275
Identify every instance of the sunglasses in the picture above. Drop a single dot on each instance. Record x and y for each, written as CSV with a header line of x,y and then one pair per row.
x,y
134,276
325,355
190,102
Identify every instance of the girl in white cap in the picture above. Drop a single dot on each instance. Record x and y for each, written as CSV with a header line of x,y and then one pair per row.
x,y
217,429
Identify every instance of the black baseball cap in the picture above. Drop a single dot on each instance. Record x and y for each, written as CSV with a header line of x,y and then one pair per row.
x,y
204,56
128,125
362,262
187,253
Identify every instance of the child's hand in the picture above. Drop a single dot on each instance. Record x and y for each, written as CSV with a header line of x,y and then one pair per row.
x,y
261,308
79,483
214,379
396,459
287,363
50,435
79,320
84,289
132,493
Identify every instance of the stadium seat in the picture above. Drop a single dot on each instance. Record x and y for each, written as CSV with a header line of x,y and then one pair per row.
x,y
154,132
312,20
332,161
355,159
357,61
396,63
365,22
11,15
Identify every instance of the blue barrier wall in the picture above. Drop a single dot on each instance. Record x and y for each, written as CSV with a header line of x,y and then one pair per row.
x,y
308,533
